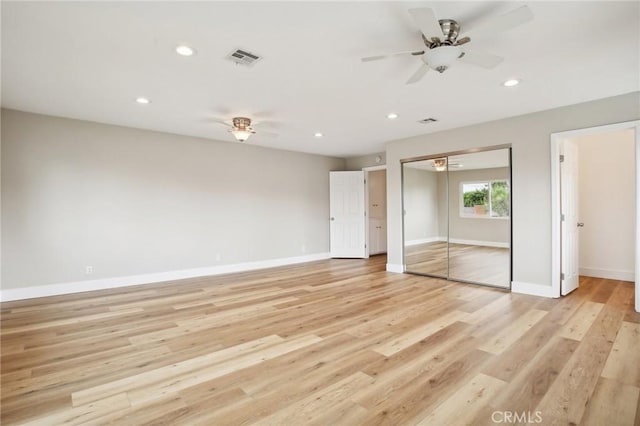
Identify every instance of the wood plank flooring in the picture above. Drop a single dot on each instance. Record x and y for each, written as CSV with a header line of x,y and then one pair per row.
x,y
480,264
336,342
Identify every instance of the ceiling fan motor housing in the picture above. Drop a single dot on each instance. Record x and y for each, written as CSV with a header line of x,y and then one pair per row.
x,y
450,30
241,122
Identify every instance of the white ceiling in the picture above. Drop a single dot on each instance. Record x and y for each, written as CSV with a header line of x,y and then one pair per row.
x,y
90,60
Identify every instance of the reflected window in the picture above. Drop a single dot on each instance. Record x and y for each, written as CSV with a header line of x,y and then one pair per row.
x,y
485,199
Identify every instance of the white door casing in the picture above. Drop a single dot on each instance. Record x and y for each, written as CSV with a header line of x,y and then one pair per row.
x,y
570,276
556,139
347,214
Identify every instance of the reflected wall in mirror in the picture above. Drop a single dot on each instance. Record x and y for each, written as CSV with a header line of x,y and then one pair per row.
x,y
457,222
479,218
425,217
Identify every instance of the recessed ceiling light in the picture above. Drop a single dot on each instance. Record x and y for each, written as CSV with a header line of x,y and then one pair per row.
x,y
318,135
511,83
143,100
185,50
392,116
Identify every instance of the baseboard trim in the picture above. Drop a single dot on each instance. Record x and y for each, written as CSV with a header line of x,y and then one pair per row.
x,y
116,282
531,289
611,274
457,241
479,243
423,241
392,267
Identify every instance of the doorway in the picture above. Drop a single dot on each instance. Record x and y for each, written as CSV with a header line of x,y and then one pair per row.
x,y
457,216
597,219
376,187
358,212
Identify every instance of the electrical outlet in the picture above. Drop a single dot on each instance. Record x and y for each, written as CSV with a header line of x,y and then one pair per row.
x,y
88,270
218,257
303,248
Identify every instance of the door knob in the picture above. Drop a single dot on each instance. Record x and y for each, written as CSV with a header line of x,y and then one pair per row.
x,y
333,218
580,225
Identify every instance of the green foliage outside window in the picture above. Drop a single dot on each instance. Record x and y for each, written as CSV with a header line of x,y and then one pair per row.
x,y
499,199
479,197
492,195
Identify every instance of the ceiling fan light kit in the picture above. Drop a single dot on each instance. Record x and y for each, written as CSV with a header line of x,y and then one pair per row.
x,y
441,58
241,135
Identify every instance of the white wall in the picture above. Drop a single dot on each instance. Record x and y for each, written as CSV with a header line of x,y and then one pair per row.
x,y
129,201
529,136
420,205
607,204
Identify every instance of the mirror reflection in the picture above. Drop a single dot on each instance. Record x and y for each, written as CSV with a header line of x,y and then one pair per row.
x,y
425,217
457,217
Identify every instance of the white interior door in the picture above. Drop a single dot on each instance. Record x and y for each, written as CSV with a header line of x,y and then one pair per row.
x,y
347,211
569,210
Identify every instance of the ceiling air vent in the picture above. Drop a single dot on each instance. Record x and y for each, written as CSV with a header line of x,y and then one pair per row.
x,y
243,57
427,121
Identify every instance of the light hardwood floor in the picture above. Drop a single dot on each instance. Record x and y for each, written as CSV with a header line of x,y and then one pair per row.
x,y
480,264
336,342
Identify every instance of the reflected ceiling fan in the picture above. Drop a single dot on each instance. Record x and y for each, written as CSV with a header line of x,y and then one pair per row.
x,y
443,46
440,164
241,129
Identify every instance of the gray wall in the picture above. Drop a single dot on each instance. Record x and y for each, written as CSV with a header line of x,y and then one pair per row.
x,y
425,200
358,163
529,136
478,229
443,212
420,205
129,201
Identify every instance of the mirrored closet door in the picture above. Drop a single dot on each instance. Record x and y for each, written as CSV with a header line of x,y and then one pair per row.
x,y
457,216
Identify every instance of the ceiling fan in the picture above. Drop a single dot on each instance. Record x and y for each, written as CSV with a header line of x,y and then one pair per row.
x,y
241,129
443,46
440,164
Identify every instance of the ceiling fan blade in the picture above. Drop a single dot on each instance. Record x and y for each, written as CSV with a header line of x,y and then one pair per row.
x,y
269,134
427,21
391,55
417,76
481,59
266,123
222,122
502,23
374,58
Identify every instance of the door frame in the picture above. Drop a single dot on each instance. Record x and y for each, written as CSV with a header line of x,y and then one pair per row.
x,y
366,171
556,253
